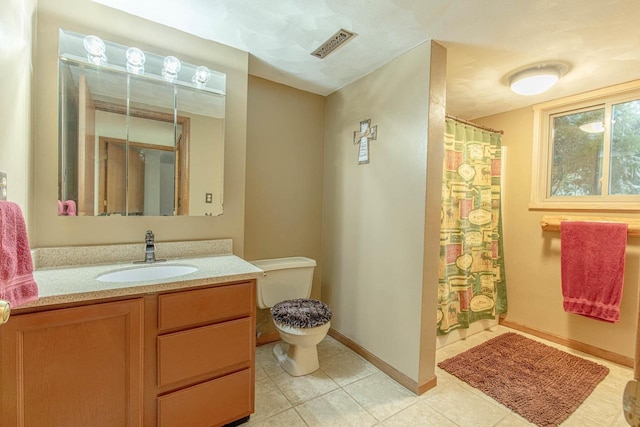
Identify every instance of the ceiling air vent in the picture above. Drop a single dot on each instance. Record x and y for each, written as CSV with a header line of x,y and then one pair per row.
x,y
334,42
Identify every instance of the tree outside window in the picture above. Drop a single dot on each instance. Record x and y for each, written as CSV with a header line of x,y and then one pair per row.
x,y
593,157
625,148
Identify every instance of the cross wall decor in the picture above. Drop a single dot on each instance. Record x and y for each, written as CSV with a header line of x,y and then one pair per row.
x,y
363,136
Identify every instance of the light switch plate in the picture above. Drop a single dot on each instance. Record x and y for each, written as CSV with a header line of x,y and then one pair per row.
x,y
3,185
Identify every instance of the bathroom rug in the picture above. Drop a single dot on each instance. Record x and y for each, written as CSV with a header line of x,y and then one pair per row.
x,y
542,384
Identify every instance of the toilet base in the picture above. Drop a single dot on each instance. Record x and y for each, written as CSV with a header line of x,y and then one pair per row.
x,y
296,360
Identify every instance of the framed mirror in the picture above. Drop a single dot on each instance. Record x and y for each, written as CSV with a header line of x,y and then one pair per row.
x,y
136,141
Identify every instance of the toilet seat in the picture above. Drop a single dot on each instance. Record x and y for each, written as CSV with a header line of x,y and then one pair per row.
x,y
302,324
301,313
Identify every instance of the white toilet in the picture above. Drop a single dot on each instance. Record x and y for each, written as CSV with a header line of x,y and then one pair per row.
x,y
301,322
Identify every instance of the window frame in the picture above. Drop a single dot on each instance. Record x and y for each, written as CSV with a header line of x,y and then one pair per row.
x,y
542,151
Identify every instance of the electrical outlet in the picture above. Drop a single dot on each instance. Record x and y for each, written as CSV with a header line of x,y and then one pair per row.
x,y
208,197
3,185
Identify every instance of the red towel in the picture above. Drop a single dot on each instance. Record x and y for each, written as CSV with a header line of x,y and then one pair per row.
x,y
16,267
592,263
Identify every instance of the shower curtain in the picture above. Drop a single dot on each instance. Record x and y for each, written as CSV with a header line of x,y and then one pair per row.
x,y
471,282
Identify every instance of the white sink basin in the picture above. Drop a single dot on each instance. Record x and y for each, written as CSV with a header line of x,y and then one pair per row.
x,y
148,272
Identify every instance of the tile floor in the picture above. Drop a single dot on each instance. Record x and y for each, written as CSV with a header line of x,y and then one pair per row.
x,y
349,391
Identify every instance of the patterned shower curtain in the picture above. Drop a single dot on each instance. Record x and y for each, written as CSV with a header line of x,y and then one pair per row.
x,y
471,283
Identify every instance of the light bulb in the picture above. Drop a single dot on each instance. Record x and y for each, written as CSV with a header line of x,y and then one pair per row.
x,y
135,60
201,76
171,68
96,49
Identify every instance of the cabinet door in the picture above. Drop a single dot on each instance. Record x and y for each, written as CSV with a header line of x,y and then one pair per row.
x,y
79,367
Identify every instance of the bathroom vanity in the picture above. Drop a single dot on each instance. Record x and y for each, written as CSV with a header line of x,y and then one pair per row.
x,y
170,352
205,354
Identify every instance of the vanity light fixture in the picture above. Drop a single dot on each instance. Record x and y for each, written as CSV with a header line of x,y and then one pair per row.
x,y
77,48
171,68
135,60
201,76
96,49
537,79
592,127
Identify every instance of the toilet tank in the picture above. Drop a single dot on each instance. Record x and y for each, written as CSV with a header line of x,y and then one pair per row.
x,y
283,279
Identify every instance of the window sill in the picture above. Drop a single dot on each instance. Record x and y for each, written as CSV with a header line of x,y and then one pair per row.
x,y
585,206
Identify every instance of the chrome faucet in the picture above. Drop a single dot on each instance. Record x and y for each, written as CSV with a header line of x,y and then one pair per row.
x,y
150,247
149,250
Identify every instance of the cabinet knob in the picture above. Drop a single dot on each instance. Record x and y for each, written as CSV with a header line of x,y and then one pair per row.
x,y
5,311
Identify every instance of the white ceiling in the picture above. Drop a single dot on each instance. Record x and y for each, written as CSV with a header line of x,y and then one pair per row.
x,y
485,40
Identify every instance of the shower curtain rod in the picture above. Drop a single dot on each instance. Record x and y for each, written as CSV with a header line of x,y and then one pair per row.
x,y
467,122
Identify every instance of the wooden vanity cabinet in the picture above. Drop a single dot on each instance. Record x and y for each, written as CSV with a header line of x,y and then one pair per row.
x,y
79,366
173,359
203,373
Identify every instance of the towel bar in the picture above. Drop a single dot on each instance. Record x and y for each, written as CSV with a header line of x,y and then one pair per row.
x,y
552,222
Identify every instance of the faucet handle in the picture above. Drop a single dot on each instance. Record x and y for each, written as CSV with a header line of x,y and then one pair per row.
x,y
149,237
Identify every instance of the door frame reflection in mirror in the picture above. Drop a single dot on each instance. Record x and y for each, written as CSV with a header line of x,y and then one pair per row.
x,y
181,150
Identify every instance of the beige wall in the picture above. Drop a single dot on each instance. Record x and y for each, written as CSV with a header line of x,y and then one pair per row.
x,y
47,229
532,257
16,27
284,176
431,256
374,214
206,162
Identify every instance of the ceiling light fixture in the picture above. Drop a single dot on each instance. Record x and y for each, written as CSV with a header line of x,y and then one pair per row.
x,y
535,80
592,127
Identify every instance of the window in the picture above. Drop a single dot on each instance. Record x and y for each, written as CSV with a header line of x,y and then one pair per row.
x,y
586,152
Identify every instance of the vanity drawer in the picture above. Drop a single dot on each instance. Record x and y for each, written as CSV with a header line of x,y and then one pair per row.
x,y
212,403
181,309
206,350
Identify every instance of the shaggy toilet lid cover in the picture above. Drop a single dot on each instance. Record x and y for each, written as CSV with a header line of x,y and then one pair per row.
x,y
301,313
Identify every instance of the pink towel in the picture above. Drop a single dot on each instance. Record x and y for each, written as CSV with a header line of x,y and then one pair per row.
x,y
16,267
60,208
592,264
70,207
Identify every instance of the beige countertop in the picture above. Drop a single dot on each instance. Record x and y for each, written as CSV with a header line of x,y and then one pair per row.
x,y
75,284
